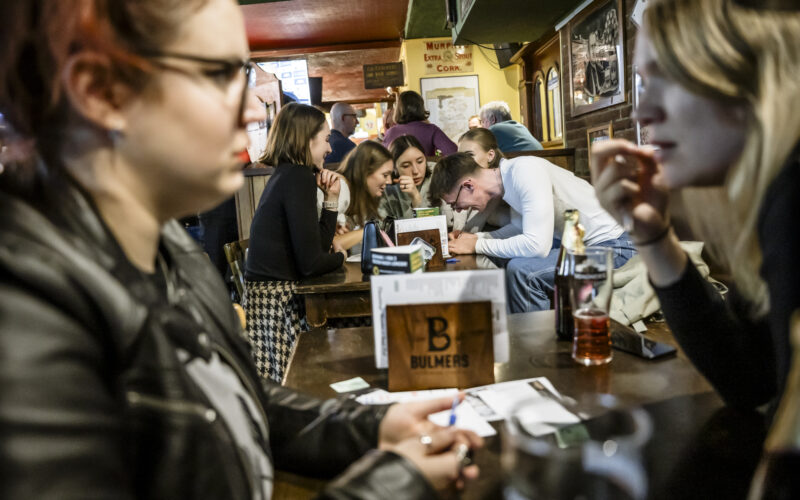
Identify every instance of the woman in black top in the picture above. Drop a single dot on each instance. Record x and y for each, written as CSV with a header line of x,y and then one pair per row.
x,y
288,241
719,80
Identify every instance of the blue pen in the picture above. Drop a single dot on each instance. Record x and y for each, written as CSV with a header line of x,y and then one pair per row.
x,y
451,261
453,411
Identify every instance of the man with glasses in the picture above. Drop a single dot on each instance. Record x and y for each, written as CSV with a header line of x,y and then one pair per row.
x,y
344,120
538,192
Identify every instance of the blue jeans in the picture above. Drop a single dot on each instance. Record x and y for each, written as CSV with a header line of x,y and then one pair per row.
x,y
529,280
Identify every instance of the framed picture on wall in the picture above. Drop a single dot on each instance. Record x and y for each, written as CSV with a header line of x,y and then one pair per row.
x,y
597,134
451,100
596,57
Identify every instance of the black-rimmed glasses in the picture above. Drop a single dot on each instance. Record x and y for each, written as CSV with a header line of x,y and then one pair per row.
x,y
454,205
221,71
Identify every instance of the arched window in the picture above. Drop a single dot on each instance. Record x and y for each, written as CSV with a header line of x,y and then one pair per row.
x,y
554,106
539,126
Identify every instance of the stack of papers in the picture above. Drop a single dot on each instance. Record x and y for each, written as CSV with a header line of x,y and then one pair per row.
x,y
490,403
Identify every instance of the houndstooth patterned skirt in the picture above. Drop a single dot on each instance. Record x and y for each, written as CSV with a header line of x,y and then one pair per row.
x,y
275,316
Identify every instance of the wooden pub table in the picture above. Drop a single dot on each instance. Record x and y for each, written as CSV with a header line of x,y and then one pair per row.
x,y
345,293
699,448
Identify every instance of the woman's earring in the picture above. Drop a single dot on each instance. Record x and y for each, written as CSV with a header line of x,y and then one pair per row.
x,y
114,136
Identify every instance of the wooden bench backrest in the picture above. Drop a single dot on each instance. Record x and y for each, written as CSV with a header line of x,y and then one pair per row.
x,y
236,254
563,157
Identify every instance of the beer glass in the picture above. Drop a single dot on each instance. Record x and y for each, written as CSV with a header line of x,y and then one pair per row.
x,y
599,458
590,295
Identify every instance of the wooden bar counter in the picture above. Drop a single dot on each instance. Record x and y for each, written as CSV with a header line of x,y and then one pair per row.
x,y
699,448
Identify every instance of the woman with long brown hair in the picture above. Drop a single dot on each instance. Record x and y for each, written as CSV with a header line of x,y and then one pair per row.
x,y
367,171
288,241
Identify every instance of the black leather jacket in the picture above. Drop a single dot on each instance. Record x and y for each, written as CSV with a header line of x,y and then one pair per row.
x,y
94,402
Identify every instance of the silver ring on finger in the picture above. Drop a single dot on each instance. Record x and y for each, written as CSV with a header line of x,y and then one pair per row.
x,y
427,440
462,456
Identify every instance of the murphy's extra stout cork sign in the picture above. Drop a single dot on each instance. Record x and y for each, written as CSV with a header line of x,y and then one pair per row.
x,y
440,345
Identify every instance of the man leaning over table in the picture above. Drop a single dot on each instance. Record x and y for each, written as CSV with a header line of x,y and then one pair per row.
x,y
538,192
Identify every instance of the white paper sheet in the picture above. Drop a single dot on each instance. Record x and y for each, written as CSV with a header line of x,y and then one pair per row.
x,y
466,418
502,398
424,223
381,397
442,287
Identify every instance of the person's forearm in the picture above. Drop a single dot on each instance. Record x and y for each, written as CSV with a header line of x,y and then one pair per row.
x,y
665,260
349,239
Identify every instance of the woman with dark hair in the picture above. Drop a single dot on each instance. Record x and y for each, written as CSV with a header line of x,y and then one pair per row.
x,y
410,189
412,119
367,170
125,373
288,241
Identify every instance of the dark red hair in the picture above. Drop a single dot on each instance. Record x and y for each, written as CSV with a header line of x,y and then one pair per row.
x,y
38,37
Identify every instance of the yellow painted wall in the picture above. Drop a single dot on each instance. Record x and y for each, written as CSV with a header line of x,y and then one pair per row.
x,y
493,84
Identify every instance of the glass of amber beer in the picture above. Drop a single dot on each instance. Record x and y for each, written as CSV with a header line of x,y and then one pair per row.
x,y
591,290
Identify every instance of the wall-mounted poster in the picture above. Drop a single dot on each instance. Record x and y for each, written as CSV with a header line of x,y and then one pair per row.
x,y
596,54
451,100
441,56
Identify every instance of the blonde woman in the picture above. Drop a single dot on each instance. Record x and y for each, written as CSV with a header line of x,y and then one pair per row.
x,y
720,86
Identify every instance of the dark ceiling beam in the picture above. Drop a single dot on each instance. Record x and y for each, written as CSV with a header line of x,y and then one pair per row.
x,y
262,55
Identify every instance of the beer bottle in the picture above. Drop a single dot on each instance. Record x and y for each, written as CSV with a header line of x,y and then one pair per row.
x,y
572,239
778,474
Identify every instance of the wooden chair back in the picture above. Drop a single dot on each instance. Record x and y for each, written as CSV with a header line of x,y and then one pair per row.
x,y
236,253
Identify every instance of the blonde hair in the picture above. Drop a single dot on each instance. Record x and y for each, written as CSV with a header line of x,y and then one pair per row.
x,y
734,54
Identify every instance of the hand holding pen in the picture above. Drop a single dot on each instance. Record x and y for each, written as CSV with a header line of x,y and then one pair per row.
x,y
439,453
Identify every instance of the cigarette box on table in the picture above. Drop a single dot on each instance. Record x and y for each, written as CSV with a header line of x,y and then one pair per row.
x,y
426,212
397,260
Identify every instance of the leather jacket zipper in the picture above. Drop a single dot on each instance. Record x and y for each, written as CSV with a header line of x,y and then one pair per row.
x,y
172,406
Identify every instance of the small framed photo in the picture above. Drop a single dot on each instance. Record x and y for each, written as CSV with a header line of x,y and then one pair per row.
x,y
597,134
